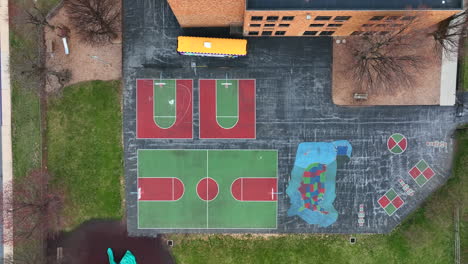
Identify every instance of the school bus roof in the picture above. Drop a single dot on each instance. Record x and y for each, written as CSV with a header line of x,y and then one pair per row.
x,y
212,45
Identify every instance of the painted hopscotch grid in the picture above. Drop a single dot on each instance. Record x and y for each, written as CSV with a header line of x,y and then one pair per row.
x,y
390,202
421,173
397,143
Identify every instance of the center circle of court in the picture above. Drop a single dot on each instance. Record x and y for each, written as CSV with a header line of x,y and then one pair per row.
x,y
207,189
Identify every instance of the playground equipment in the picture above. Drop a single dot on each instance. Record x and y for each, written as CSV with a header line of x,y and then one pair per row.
x,y
128,258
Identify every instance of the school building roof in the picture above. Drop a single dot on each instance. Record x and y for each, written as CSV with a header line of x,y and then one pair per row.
x,y
353,4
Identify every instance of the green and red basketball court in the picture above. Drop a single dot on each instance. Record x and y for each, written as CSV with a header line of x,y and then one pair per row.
x,y
207,189
227,109
164,108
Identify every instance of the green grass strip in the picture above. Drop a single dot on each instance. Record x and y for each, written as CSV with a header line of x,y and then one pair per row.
x,y
85,150
26,130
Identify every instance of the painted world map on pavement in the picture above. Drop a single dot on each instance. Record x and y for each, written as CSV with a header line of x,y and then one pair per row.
x,y
312,186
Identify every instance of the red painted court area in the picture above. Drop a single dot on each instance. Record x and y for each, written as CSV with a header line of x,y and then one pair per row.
x,y
160,189
242,189
146,126
207,189
244,128
255,189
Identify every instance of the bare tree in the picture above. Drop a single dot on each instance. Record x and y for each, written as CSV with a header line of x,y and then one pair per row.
x,y
35,206
448,32
27,67
384,61
96,21
34,15
38,17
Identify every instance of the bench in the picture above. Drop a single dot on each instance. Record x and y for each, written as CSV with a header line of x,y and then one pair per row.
x,y
59,254
50,46
360,96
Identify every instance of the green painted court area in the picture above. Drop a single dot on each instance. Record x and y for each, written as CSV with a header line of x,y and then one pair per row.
x,y
196,189
165,103
227,102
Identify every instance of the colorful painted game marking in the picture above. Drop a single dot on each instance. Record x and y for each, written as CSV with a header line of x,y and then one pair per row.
x,y
421,173
397,143
361,215
390,202
312,186
406,187
437,144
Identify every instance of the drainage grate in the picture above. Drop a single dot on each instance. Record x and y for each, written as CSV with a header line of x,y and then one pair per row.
x,y
170,243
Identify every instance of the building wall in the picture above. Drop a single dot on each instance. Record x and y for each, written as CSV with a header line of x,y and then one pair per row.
x,y
301,24
208,13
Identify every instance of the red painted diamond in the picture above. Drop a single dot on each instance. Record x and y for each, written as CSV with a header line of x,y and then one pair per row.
x,y
397,202
383,201
428,173
414,172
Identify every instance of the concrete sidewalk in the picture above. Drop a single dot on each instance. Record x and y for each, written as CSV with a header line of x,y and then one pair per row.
x,y
7,160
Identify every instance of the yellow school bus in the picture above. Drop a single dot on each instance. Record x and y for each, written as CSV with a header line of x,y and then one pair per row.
x,y
211,47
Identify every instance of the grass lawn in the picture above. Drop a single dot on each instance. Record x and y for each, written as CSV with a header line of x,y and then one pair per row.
x,y
26,134
26,119
427,236
85,150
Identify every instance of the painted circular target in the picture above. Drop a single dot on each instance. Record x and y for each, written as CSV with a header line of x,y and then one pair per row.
x,y
397,143
207,189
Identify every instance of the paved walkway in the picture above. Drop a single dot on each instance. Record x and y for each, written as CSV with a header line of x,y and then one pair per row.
x,y
6,154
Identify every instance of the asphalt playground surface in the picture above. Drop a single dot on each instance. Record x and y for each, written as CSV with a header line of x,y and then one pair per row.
x,y
293,105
